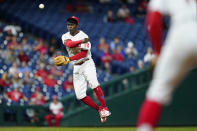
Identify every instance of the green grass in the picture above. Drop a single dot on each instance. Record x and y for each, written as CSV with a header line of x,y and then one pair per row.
x,y
93,129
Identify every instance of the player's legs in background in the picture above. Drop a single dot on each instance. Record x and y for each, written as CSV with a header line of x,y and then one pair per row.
x,y
176,60
58,118
49,119
80,86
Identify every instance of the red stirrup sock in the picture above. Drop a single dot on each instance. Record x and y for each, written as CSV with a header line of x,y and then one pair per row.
x,y
88,101
100,95
150,113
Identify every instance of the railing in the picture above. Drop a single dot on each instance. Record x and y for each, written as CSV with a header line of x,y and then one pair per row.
x,y
18,114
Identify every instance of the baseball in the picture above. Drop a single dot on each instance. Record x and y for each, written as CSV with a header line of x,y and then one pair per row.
x,y
41,6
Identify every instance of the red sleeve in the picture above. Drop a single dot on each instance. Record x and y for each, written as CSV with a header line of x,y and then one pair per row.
x,y
22,95
79,55
70,43
44,100
33,95
38,72
155,29
9,94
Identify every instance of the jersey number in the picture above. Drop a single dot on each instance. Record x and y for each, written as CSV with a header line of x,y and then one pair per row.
x,y
86,45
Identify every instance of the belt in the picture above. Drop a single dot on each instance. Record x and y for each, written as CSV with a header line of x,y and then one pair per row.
x,y
80,63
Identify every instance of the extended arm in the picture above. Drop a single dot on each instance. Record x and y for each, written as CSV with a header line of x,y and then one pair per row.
x,y
69,43
79,55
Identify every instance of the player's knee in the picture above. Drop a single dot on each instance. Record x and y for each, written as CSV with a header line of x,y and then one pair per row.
x,y
58,117
94,85
163,96
48,117
80,96
160,100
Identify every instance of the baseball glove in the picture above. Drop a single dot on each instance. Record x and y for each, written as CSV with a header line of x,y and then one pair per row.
x,y
61,60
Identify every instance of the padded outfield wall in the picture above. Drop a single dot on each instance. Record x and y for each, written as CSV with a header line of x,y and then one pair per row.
x,y
125,106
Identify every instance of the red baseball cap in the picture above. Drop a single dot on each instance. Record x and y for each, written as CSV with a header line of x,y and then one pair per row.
x,y
73,18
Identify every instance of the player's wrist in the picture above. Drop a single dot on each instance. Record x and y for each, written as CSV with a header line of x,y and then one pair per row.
x,y
66,58
70,58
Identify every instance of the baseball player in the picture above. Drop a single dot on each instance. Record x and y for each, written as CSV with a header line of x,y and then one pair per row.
x,y
78,46
56,112
178,55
